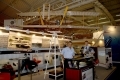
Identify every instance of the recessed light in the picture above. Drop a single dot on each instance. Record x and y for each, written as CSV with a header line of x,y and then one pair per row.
x,y
90,21
102,18
118,15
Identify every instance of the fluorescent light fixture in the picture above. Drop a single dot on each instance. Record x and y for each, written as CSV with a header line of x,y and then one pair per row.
x,y
100,23
102,18
118,15
117,20
90,21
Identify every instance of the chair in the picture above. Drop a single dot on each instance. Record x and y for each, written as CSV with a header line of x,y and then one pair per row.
x,y
37,61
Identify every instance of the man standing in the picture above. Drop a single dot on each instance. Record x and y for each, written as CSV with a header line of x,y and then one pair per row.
x,y
86,48
88,51
68,54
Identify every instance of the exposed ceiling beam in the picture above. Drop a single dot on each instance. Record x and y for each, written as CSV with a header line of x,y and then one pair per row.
x,y
104,10
78,3
33,20
59,13
77,19
57,26
74,4
10,6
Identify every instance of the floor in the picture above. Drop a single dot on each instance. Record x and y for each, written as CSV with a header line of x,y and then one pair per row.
x,y
102,73
36,76
116,73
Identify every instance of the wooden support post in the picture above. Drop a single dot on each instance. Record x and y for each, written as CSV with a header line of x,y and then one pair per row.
x,y
41,20
64,15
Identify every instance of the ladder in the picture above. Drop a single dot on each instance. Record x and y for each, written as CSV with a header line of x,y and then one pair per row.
x,y
46,8
55,42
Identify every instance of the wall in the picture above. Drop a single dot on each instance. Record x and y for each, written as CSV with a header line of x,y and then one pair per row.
x,y
112,40
42,57
77,44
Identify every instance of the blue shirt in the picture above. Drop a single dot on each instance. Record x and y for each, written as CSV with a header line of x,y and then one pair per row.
x,y
68,52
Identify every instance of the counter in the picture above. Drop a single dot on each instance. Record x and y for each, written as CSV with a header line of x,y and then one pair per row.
x,y
79,72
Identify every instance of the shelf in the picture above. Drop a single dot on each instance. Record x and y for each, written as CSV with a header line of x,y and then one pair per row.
x,y
6,49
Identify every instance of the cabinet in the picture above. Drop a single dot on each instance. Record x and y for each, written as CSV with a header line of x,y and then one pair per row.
x,y
80,73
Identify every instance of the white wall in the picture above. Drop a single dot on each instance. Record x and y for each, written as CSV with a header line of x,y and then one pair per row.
x,y
98,35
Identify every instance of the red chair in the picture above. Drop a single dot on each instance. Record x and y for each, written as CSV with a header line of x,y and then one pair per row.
x,y
37,61
96,62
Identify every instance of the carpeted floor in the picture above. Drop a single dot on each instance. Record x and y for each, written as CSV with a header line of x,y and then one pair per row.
x,y
116,73
101,72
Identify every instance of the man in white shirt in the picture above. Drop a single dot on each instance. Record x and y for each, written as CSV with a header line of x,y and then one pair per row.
x,y
88,51
86,48
68,54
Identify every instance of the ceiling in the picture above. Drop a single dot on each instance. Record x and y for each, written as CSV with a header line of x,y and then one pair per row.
x,y
109,14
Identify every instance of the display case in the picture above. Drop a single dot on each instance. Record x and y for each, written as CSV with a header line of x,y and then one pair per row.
x,y
79,70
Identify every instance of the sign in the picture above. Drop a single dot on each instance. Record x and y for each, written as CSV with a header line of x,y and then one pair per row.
x,y
87,74
13,23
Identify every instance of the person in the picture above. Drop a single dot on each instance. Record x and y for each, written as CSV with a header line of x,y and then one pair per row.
x,y
89,56
86,48
68,54
88,51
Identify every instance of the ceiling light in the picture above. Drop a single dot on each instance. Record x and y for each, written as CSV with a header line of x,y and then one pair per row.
x,y
117,20
18,34
102,18
29,18
100,41
100,23
118,15
0,32
33,35
111,29
93,42
90,21
44,36
53,37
